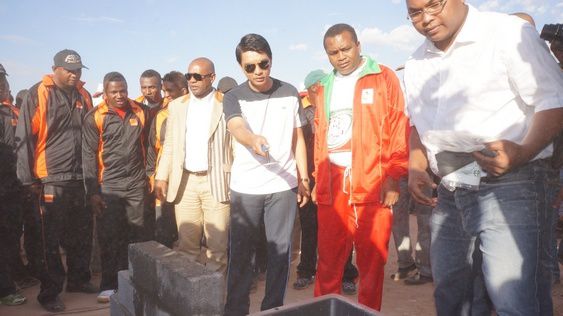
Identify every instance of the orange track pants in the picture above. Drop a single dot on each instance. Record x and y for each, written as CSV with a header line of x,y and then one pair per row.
x,y
367,226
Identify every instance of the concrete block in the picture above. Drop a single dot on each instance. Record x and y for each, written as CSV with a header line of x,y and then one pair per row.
x,y
179,285
129,297
143,260
152,308
115,308
134,300
327,305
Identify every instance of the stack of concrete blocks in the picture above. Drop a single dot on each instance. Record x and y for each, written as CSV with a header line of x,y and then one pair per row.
x,y
163,282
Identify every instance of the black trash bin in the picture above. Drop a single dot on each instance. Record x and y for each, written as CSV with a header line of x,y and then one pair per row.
x,y
326,305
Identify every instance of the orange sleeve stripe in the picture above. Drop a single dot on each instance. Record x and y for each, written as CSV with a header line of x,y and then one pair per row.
x,y
138,112
158,125
39,130
160,119
86,98
48,198
141,116
99,119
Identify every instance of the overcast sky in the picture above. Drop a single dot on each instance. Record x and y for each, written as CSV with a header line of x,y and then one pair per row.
x,y
132,36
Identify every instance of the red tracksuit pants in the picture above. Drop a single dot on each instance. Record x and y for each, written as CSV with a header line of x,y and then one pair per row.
x,y
366,226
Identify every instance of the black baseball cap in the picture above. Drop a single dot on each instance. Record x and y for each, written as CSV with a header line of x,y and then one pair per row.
x,y
68,59
226,84
2,70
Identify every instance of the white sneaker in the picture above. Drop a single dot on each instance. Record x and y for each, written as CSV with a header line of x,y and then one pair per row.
x,y
104,296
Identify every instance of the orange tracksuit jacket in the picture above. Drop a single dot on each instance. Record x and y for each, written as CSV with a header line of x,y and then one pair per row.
x,y
356,218
113,149
380,134
48,138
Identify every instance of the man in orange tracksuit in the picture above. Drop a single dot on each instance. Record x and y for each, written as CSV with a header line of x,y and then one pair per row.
x,y
174,85
10,191
360,153
151,89
113,154
151,98
48,145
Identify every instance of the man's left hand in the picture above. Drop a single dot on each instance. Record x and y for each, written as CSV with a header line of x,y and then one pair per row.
x,y
303,193
508,155
389,192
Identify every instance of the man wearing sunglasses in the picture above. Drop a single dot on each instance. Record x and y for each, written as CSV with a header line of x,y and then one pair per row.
x,y
488,76
264,115
193,170
360,154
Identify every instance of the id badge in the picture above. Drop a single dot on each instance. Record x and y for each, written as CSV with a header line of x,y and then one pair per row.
x,y
367,96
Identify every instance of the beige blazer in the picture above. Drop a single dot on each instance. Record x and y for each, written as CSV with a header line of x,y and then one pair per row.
x,y
171,165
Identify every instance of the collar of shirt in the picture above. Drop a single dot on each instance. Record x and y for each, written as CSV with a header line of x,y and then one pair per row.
x,y
121,111
206,99
469,33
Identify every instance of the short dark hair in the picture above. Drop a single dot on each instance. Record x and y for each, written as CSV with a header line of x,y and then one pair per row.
x,y
338,29
177,78
252,42
151,73
112,77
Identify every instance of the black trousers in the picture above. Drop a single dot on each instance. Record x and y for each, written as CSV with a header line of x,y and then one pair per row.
x,y
64,221
24,225
307,267
166,230
125,220
8,237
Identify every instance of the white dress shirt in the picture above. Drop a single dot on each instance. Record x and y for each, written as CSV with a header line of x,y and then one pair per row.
x,y
198,119
488,84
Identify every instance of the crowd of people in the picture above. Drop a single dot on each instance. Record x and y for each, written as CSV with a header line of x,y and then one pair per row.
x,y
221,174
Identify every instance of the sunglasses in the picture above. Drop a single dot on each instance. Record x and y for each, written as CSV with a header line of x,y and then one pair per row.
x,y
197,77
264,65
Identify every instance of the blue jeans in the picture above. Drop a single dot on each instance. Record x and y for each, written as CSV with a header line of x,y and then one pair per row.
x,y
491,236
278,211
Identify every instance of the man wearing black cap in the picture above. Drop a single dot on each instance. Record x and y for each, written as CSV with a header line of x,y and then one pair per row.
x,y
226,84
49,143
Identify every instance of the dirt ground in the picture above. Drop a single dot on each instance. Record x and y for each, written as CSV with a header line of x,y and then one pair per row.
x,y
398,299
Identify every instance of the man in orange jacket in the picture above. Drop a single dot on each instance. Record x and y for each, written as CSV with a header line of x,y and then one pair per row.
x,y
174,85
115,177
360,153
10,191
48,145
151,89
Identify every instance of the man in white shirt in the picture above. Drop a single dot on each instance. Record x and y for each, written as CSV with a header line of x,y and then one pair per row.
x,y
193,171
264,116
483,82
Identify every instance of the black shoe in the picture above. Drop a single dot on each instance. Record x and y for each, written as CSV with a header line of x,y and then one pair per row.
x,y
349,287
26,282
403,273
418,279
87,287
54,306
303,283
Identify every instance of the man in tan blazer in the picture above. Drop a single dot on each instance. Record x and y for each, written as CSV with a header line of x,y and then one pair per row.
x,y
194,169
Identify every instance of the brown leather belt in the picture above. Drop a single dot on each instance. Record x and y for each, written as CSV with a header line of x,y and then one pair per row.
x,y
197,173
